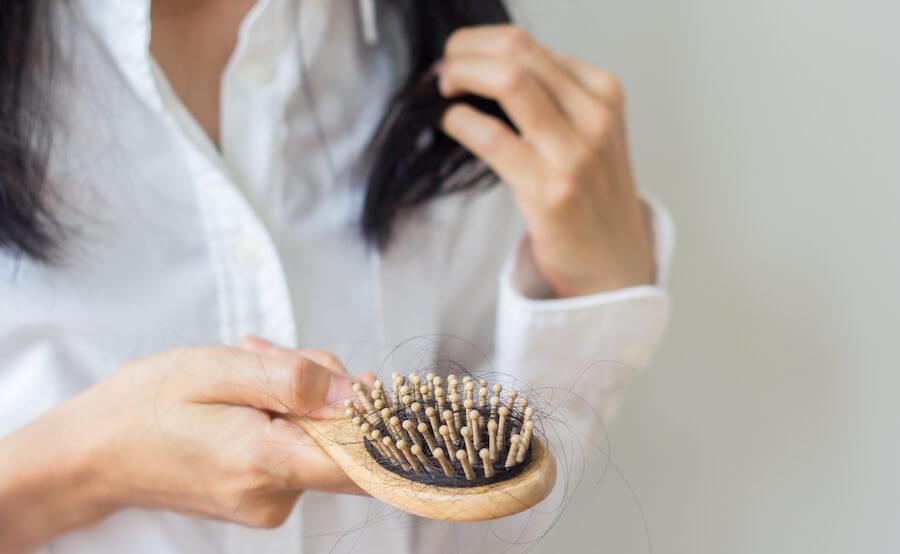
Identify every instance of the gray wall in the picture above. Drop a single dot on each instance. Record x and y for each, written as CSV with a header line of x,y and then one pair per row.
x,y
770,422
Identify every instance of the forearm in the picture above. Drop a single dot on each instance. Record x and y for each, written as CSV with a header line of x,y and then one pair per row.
x,y
47,482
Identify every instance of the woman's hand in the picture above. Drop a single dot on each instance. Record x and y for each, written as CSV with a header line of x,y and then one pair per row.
x,y
568,164
200,431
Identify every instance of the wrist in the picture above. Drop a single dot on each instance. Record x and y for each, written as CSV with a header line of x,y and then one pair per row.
x,y
616,273
616,257
49,480
581,276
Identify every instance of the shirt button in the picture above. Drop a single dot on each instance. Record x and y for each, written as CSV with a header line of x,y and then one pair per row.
x,y
256,72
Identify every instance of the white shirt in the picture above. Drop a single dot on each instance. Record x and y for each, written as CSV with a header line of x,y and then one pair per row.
x,y
171,243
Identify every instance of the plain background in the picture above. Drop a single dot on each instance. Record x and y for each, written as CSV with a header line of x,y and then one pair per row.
x,y
770,421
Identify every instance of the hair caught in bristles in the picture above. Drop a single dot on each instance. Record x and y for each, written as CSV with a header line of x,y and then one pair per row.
x,y
431,434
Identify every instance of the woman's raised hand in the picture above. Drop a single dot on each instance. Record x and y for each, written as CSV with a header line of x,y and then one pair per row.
x,y
568,164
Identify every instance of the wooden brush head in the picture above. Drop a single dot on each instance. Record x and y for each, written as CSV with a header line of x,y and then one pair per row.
x,y
450,450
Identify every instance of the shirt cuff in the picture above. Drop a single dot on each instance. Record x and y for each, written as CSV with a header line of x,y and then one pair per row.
x,y
592,344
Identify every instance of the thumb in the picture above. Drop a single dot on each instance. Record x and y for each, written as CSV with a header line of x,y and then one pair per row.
x,y
314,389
322,357
283,384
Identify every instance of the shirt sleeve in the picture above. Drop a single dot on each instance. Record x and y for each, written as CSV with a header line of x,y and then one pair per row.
x,y
580,353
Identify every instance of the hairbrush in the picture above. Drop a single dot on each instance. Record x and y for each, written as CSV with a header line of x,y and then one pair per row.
x,y
452,450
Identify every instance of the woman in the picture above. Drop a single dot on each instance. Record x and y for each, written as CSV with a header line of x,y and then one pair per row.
x,y
211,177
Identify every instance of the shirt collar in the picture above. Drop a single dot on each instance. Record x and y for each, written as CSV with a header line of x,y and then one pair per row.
x,y
123,29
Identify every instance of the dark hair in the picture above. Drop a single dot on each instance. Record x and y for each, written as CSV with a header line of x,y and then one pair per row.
x,y
410,161
26,225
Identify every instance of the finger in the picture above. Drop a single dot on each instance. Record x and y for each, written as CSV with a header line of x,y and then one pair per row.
x,y
321,357
262,346
325,359
513,44
513,160
298,462
525,99
280,384
603,84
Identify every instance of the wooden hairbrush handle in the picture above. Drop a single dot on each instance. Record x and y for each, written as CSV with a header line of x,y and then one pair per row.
x,y
341,439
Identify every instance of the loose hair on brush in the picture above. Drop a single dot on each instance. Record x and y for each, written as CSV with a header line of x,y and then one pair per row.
x,y
442,434
410,160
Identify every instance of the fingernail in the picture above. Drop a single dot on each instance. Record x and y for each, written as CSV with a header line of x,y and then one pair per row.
x,y
368,378
437,69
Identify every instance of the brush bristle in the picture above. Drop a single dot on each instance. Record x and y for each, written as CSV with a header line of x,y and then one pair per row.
x,y
435,431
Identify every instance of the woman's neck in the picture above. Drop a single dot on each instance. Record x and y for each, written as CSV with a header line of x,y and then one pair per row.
x,y
192,41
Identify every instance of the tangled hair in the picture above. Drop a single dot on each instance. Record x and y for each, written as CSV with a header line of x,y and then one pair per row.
x,y
569,420
413,161
410,161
